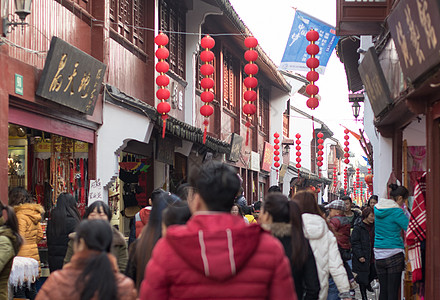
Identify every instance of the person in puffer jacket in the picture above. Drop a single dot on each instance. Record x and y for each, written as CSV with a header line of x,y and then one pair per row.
x,y
324,246
216,255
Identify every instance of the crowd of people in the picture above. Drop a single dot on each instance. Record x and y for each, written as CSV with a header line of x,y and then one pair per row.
x,y
207,242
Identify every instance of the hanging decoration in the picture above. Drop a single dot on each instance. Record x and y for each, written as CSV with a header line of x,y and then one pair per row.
x,y
298,150
162,53
207,83
362,193
335,179
276,152
250,82
346,149
357,182
313,49
320,158
369,181
345,180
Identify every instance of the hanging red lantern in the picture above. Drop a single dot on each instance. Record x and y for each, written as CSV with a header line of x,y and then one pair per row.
x,y
298,153
320,153
346,149
313,63
162,53
345,180
207,83
250,82
276,152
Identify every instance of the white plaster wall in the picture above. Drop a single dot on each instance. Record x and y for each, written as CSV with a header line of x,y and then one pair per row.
x,y
415,133
119,127
277,105
304,126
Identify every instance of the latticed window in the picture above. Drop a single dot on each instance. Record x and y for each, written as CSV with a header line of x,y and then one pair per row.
x,y
230,86
172,22
263,110
128,19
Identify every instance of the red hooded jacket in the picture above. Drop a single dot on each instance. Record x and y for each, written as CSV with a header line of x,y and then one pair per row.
x,y
141,219
218,256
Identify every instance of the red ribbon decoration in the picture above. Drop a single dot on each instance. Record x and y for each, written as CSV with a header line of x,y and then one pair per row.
x,y
312,36
207,83
162,53
276,152
250,82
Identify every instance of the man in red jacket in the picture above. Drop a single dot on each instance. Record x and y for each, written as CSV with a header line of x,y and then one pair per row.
x,y
216,255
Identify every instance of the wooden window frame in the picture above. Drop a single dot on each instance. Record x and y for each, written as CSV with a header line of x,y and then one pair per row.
x,y
230,97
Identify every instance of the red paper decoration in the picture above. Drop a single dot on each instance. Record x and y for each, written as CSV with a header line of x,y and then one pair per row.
x,y
346,149
298,152
335,179
162,53
313,63
345,180
320,153
250,82
207,83
276,152
369,181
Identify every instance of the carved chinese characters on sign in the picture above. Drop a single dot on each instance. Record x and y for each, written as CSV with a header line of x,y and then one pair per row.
x,y
414,28
71,77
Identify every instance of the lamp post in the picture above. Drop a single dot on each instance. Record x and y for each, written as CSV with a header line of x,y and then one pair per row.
x,y
22,10
355,99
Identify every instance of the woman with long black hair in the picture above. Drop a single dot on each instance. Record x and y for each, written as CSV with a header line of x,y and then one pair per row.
x,y
390,220
63,220
92,272
283,219
10,243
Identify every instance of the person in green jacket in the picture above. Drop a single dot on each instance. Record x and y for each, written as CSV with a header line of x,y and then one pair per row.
x,y
390,220
10,243
100,210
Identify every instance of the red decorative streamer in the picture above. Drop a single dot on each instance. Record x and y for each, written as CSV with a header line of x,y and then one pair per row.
x,y
207,83
250,82
313,63
162,53
276,152
298,151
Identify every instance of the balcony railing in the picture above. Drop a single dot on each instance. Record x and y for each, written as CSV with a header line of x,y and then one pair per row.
x,y
361,17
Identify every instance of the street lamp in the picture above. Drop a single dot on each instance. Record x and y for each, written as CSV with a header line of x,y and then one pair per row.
x,y
355,99
22,10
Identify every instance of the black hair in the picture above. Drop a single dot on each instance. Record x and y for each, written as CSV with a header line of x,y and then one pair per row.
x,y
257,205
152,232
240,209
366,212
343,198
19,195
176,214
398,190
66,205
12,223
217,183
98,276
274,188
284,211
182,191
101,207
375,197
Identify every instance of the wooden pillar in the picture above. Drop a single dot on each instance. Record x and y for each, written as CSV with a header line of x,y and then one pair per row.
x,y
397,153
432,272
4,109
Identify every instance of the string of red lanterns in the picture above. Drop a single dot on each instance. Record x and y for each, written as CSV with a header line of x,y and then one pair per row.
x,y
276,152
346,149
320,158
313,63
207,83
357,182
335,179
250,82
298,150
345,180
162,53
369,181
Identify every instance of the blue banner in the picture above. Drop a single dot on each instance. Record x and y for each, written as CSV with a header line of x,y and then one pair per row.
x,y
295,54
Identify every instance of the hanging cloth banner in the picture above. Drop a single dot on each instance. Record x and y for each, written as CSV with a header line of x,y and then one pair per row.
x,y
295,56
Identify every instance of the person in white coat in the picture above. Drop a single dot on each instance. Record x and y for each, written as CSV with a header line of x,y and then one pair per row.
x,y
324,246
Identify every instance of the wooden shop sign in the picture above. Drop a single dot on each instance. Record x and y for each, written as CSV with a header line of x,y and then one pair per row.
x,y
267,157
415,29
71,77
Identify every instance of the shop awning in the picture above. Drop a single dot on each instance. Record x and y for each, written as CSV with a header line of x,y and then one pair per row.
x,y
305,178
174,126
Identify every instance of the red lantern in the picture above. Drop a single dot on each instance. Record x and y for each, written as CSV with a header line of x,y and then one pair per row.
x,y
313,63
345,180
346,149
162,53
319,157
207,82
298,153
250,82
276,153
